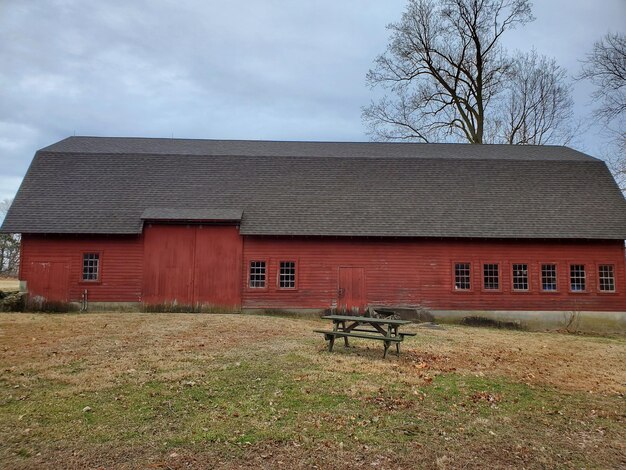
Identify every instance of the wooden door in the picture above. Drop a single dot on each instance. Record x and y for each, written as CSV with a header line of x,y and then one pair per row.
x,y
351,290
168,264
49,280
217,275
196,265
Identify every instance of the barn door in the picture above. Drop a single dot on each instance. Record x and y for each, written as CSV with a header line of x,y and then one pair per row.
x,y
192,265
168,264
49,280
217,267
351,291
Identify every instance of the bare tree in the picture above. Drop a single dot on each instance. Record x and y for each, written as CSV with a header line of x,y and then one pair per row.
x,y
605,67
444,64
536,107
9,246
617,164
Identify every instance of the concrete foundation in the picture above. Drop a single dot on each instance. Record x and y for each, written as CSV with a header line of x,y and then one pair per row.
x,y
583,322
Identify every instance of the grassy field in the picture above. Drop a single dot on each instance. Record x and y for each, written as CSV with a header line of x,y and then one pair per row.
x,y
227,391
9,284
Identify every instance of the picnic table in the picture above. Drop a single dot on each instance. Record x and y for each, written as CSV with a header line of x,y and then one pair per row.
x,y
382,329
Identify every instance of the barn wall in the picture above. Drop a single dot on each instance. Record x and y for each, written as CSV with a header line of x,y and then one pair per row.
x,y
393,271
421,272
121,263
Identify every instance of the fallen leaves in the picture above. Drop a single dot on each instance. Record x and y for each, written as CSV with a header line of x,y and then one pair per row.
x,y
486,396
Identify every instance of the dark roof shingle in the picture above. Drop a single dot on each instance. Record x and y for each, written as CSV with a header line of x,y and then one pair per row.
x,y
104,185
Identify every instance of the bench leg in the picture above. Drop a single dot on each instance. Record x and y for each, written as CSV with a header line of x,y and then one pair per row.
x,y
386,348
331,343
345,339
398,349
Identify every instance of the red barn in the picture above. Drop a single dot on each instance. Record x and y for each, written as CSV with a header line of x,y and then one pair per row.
x,y
520,231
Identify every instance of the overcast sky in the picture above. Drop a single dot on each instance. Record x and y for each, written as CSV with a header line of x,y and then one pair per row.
x,y
261,69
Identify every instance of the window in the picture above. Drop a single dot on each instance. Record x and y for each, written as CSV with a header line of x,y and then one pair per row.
x,y
287,275
577,277
606,278
520,277
491,276
257,274
462,276
548,277
91,266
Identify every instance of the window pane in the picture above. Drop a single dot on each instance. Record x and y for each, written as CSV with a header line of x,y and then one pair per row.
x,y
257,274
462,276
577,277
287,275
491,276
91,262
548,277
520,277
606,277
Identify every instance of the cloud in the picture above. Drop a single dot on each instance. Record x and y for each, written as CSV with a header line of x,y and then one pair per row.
x,y
9,186
263,69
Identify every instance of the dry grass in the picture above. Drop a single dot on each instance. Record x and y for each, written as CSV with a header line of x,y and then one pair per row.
x,y
9,284
177,390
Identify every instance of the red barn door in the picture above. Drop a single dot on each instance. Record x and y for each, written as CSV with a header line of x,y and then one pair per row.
x,y
192,265
217,274
351,292
49,280
168,264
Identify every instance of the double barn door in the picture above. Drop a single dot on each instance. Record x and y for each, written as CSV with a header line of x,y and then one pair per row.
x,y
192,265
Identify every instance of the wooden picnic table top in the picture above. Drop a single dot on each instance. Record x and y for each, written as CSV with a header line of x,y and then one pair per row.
x,y
386,321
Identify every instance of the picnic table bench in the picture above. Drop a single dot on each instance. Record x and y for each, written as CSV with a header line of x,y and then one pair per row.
x,y
382,329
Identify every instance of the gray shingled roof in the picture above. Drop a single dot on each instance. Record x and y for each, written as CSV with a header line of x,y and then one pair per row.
x,y
104,185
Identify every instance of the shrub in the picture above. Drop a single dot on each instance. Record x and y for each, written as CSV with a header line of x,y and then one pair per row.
x,y
40,304
491,323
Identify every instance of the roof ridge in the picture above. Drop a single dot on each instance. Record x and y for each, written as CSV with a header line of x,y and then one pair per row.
x,y
521,158
279,141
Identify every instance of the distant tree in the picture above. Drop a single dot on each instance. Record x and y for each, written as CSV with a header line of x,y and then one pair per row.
x,y
605,67
536,106
445,65
616,161
9,246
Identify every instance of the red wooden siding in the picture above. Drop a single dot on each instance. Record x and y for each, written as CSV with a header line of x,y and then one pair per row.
x,y
209,264
121,259
192,265
422,271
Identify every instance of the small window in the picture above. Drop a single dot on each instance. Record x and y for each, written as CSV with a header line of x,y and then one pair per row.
x,y
91,266
287,275
462,276
491,276
548,277
606,278
520,277
577,277
257,274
